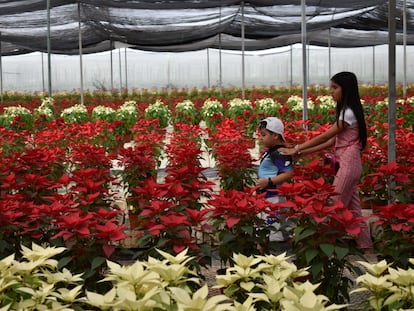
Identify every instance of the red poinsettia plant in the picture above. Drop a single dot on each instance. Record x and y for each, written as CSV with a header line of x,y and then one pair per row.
x,y
59,194
230,148
239,220
324,231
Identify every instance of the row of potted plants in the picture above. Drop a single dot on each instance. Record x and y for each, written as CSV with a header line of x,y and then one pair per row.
x,y
37,282
57,186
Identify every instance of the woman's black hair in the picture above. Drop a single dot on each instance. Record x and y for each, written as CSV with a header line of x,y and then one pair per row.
x,y
351,99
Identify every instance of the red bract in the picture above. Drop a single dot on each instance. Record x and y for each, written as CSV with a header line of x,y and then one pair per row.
x,y
233,205
399,217
310,202
231,152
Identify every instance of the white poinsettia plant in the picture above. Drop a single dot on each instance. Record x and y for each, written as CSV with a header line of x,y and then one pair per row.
x,y
267,106
296,103
238,107
46,109
103,113
16,113
185,112
158,110
389,288
36,282
211,108
270,283
75,113
326,102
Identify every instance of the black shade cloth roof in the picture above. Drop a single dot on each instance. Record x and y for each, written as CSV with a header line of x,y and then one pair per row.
x,y
185,25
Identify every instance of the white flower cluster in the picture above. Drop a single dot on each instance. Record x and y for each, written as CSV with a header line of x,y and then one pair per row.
x,y
326,102
46,108
127,110
267,105
158,108
382,103
210,108
160,111
186,105
411,100
238,103
296,103
14,111
76,113
103,113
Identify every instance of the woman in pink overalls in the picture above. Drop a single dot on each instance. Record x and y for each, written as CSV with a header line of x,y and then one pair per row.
x,y
349,134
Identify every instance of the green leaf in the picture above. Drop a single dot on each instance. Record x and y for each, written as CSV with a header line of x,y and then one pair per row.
x,y
63,262
310,254
341,252
248,230
226,237
97,262
328,249
316,269
304,234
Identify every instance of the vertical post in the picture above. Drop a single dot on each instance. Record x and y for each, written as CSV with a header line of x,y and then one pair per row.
x,y
304,63
49,62
291,65
405,49
391,90
242,49
220,64
120,70
43,74
208,68
1,72
80,52
112,65
329,54
126,70
373,65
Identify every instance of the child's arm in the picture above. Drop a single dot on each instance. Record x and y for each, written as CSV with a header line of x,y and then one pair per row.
x,y
319,147
263,183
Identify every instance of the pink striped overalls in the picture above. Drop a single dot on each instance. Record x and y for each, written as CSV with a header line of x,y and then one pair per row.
x,y
348,153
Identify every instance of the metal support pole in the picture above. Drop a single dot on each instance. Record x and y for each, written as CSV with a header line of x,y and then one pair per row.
x,y
242,50
208,68
405,49
49,61
120,70
373,65
220,62
304,63
80,53
329,54
43,73
126,70
112,65
1,72
391,90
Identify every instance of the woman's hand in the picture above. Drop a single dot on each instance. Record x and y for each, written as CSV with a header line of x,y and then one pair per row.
x,y
288,151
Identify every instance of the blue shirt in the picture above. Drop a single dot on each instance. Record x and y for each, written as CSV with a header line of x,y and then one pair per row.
x,y
272,163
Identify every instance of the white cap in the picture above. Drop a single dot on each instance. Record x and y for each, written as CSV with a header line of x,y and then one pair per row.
x,y
274,125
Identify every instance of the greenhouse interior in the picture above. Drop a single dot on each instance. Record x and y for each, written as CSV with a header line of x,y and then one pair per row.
x,y
87,45
134,140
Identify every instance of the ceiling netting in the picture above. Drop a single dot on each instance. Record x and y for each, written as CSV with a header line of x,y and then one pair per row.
x,y
185,25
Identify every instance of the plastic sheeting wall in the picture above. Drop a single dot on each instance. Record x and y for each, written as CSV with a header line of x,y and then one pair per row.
x,y
200,68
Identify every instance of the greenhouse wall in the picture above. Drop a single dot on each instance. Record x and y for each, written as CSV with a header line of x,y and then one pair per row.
x,y
135,69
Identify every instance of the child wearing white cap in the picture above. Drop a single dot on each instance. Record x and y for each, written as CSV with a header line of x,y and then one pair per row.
x,y
274,168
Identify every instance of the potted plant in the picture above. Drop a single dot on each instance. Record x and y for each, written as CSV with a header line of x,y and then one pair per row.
x,y
17,118
159,111
212,113
185,112
75,114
